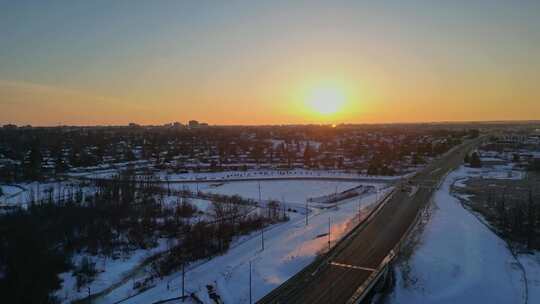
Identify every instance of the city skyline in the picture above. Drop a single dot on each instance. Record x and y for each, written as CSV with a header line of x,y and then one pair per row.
x,y
246,63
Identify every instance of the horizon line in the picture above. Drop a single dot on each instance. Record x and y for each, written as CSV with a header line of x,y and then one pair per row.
x,y
500,121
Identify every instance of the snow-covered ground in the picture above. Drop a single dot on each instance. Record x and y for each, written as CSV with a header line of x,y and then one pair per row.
x,y
460,260
110,271
9,191
293,193
502,172
22,193
492,172
303,243
288,191
289,247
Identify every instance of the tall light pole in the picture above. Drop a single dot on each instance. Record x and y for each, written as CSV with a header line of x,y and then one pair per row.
x,y
262,238
307,223
329,231
250,298
283,203
359,204
260,199
260,206
183,280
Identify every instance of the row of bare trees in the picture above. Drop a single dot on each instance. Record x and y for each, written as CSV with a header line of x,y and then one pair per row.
x,y
112,218
517,218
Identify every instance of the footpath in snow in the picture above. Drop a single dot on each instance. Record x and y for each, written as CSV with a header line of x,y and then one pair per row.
x,y
459,260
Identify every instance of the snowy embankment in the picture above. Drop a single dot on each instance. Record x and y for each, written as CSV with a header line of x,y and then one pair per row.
x,y
460,260
289,247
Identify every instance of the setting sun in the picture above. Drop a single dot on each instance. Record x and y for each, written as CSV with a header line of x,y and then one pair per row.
x,y
326,100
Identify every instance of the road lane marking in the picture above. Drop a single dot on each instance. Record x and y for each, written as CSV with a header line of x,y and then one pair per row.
x,y
353,267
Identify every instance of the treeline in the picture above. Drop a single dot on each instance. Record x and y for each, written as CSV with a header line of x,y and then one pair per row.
x,y
39,153
38,243
473,160
205,239
384,156
517,217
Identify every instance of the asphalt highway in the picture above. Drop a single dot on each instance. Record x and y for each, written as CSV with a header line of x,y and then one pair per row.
x,y
337,280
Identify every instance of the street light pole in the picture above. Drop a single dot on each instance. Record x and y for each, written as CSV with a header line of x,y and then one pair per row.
x,y
250,299
359,204
262,238
329,231
307,212
183,280
260,206
260,200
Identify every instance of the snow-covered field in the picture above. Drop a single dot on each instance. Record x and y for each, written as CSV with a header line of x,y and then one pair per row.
x,y
9,191
502,172
288,191
492,172
110,271
289,247
21,194
293,193
460,260
295,245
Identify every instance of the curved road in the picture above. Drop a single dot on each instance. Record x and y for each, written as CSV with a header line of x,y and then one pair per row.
x,y
322,282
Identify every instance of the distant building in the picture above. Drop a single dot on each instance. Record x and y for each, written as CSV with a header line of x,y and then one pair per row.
x,y
193,124
133,125
10,126
513,138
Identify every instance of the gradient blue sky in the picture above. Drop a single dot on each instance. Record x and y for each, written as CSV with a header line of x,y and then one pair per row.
x,y
252,62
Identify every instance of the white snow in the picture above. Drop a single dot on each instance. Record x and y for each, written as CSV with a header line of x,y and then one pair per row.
x,y
508,172
459,260
289,247
21,194
531,262
8,190
110,272
289,191
202,205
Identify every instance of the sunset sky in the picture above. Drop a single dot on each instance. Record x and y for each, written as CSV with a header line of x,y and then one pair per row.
x,y
268,62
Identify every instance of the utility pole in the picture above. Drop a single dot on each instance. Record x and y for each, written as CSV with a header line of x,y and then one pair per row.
x,y
307,223
262,238
359,204
260,200
329,232
262,229
250,300
283,203
183,280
